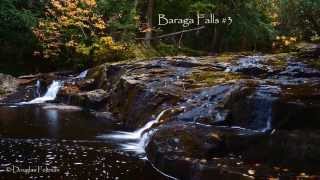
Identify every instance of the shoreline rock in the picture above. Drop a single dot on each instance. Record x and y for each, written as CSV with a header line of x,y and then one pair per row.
x,y
234,112
8,85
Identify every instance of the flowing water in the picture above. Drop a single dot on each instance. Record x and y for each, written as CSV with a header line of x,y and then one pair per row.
x,y
56,141
40,135
135,141
38,89
50,95
82,75
73,141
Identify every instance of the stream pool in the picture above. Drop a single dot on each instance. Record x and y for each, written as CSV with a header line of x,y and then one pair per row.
x,y
40,141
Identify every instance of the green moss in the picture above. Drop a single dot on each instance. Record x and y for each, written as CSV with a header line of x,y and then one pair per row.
x,y
315,63
2,92
211,78
172,50
278,60
96,72
161,50
142,52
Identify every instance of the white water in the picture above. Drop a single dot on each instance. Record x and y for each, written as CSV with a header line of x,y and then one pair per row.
x,y
138,139
52,91
82,75
38,86
268,125
50,95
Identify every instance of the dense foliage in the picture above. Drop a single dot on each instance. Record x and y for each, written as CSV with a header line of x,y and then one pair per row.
x,y
73,30
45,34
251,26
300,18
16,38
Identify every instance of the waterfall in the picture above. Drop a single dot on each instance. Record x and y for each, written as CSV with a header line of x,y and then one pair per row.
x,y
139,138
37,89
52,91
50,95
82,75
264,99
268,123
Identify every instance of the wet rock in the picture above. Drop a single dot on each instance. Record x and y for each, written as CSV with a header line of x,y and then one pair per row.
x,y
298,107
94,97
298,149
86,85
228,105
140,90
182,62
275,104
206,106
300,70
107,118
90,99
208,151
258,65
132,101
307,49
103,115
251,65
8,84
183,140
186,150
253,107
199,141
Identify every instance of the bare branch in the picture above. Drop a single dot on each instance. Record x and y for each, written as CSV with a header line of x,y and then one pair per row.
x,y
172,34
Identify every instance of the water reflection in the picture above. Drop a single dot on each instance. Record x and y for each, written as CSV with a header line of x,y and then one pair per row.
x,y
63,137
47,121
52,116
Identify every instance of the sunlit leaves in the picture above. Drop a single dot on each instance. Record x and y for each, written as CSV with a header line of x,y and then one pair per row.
x,y
67,25
106,49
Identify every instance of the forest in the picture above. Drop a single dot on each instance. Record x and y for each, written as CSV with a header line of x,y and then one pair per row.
x,y
160,89
52,34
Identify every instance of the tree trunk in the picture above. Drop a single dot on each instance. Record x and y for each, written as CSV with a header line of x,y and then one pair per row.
x,y
135,4
214,40
149,15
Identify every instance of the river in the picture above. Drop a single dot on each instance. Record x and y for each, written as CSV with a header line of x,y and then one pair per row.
x,y
56,141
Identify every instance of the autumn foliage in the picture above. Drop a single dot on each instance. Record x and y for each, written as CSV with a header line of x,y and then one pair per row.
x,y
52,34
72,26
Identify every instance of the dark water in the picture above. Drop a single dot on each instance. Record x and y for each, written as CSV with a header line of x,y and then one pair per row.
x,y
44,142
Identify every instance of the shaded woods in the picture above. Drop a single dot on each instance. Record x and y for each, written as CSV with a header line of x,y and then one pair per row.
x,y
47,35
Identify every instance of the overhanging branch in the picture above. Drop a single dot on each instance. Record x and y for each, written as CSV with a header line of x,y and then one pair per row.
x,y
172,34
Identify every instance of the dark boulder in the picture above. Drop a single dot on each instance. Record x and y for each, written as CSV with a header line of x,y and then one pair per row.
x,y
8,85
95,99
192,151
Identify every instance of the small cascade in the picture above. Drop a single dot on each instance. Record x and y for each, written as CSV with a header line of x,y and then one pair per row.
x,y
253,63
268,125
50,95
265,97
53,89
82,75
38,89
137,139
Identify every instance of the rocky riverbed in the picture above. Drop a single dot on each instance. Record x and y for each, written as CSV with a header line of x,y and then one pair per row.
x,y
230,116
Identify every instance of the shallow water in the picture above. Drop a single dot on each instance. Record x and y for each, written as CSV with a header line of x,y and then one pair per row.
x,y
44,137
